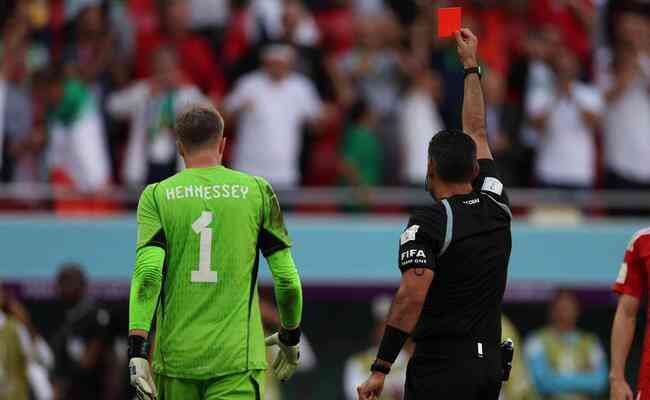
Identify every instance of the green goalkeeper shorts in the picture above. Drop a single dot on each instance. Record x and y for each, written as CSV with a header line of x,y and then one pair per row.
x,y
247,385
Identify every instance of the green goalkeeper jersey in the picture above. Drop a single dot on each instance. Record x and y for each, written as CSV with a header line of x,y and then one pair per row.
x,y
211,222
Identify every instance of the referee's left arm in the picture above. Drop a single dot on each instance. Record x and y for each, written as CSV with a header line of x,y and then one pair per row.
x,y
402,318
404,313
417,263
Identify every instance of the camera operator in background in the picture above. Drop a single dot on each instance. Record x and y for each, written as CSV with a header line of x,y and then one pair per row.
x,y
82,344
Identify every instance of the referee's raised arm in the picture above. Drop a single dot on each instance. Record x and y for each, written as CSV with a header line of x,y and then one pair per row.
x,y
453,256
474,123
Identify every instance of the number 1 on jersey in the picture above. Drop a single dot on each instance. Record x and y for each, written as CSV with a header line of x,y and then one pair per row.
x,y
200,226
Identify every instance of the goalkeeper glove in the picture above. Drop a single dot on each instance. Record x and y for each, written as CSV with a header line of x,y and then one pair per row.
x,y
139,370
287,359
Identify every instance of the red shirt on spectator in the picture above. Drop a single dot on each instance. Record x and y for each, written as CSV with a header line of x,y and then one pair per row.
x,y
634,280
195,57
564,18
237,40
337,27
144,16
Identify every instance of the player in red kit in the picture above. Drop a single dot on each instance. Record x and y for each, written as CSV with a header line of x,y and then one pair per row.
x,y
632,285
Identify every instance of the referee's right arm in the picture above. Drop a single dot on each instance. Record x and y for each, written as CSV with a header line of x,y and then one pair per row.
x,y
474,123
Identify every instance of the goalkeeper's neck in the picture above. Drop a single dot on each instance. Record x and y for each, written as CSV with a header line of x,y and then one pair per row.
x,y
205,157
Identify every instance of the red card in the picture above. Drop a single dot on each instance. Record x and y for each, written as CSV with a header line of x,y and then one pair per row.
x,y
448,21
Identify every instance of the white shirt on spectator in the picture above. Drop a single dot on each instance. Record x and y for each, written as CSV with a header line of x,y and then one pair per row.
x,y
133,103
626,128
268,141
566,153
419,120
209,13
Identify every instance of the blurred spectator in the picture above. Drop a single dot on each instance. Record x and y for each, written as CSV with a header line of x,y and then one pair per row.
x,y
576,20
82,346
151,106
519,387
22,36
4,176
272,104
373,71
297,25
368,7
567,119
419,120
77,151
209,13
565,362
246,36
494,102
92,47
24,356
358,365
300,30
626,84
336,22
196,57
362,152
20,144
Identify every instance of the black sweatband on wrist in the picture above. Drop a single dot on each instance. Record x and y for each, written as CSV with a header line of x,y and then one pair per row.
x,y
290,337
391,344
138,347
379,367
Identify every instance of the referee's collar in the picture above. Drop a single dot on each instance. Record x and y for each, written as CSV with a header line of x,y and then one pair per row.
x,y
461,196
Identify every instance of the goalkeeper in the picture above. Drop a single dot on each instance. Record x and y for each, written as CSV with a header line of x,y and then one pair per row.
x,y
197,257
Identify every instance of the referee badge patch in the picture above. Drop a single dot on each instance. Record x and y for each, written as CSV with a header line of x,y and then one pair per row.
x,y
492,185
409,234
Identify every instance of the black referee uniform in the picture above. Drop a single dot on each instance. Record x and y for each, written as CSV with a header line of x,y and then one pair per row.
x,y
466,240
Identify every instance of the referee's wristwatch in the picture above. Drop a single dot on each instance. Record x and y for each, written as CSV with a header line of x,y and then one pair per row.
x,y
473,70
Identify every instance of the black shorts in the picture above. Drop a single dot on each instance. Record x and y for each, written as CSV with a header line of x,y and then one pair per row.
x,y
446,376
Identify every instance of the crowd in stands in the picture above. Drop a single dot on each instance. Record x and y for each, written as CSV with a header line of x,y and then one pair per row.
x,y
321,92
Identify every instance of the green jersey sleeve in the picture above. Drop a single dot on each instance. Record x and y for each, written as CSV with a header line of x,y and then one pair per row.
x,y
274,243
273,235
146,281
148,218
288,289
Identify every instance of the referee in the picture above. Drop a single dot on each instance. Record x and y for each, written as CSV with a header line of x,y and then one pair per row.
x,y
454,259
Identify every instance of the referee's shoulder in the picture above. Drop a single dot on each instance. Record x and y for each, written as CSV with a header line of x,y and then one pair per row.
x,y
432,215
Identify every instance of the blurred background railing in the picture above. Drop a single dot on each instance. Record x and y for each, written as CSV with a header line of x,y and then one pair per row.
x,y
401,199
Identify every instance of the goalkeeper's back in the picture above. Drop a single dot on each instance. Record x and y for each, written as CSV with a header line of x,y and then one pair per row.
x,y
211,223
213,220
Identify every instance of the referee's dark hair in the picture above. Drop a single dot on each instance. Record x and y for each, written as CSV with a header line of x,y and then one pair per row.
x,y
197,125
454,155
